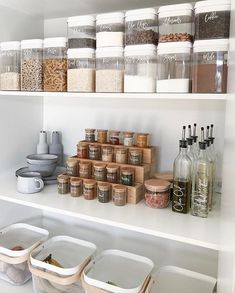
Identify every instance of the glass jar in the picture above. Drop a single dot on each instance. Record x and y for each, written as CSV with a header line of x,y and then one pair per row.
x,y
94,151
142,140
107,154
99,172
135,156
103,192
90,134
76,187
128,138
121,155
102,135
175,23
72,167
140,69
128,176
141,27
167,176
119,195
55,65
81,32
89,189
82,150
63,184
157,193
81,70
114,137
10,66
112,173
110,30
32,65
109,70
210,59
85,169
212,19
174,68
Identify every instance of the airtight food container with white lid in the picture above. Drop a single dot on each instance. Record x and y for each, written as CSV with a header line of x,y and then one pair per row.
x,y
16,243
57,264
117,271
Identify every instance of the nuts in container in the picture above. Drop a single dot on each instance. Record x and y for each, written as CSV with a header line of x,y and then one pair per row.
x,y
157,193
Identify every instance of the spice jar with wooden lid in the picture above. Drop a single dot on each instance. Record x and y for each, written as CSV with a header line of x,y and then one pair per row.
x,y
85,169
107,154
142,140
127,176
94,151
135,156
75,187
112,173
90,134
114,137
99,172
128,138
89,189
157,193
121,155
102,135
167,176
63,184
103,192
119,195
72,167
82,150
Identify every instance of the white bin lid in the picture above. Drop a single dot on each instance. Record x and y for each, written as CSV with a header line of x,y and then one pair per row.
x,y
70,252
81,53
126,270
13,45
217,45
141,50
23,235
83,20
109,52
175,10
212,5
106,18
141,14
55,42
32,44
174,47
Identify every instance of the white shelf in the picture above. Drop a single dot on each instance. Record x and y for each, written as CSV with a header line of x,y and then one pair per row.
x,y
6,287
139,218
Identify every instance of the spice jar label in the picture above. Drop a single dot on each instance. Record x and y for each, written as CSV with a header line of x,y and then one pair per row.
x,y
172,20
211,16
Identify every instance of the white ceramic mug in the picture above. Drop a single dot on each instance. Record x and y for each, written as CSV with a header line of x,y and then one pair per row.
x,y
30,182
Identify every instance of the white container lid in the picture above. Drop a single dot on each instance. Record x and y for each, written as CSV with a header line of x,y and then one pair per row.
x,y
81,53
113,267
217,45
106,18
212,5
83,20
13,45
139,50
175,10
141,14
174,47
70,252
23,235
55,42
32,44
109,52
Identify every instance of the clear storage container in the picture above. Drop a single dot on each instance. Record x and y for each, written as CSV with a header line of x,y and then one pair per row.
x,y
55,64
210,65
81,70
157,193
175,23
81,32
174,67
109,70
212,19
141,27
110,30
10,66
140,69
32,65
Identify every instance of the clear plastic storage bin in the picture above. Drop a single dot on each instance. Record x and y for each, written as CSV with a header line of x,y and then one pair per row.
x,y
141,27
55,64
10,66
109,70
32,65
174,67
81,70
110,30
210,66
175,23
212,19
81,32
140,69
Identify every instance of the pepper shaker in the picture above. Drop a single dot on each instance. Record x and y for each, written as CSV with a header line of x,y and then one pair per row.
x,y
42,146
56,147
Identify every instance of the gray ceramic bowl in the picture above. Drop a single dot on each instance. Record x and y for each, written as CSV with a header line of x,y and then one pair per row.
x,y
44,170
44,159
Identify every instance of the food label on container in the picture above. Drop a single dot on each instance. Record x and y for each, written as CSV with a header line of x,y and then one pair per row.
x,y
181,196
172,20
211,16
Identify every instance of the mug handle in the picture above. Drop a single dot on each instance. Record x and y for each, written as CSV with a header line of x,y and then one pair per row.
x,y
41,183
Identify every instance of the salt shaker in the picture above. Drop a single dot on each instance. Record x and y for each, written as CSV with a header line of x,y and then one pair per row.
x,y
56,147
42,146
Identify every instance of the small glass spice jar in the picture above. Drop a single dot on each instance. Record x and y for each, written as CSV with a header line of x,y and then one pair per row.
x,y
119,195
63,184
114,137
85,169
121,155
135,156
128,138
75,187
142,140
90,134
100,172
103,192
89,189
127,176
72,167
102,135
112,173
107,154
157,193
94,151
82,150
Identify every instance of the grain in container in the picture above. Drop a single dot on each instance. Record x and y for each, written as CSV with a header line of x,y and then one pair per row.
x,y
76,187
121,155
94,151
85,169
63,184
89,189
55,64
142,140
110,30
82,150
119,195
32,65
17,241
175,23
10,66
109,271
210,64
109,70
140,69
112,173
128,138
141,27
81,32
212,19
57,265
102,135
174,68
72,167
107,154
99,172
